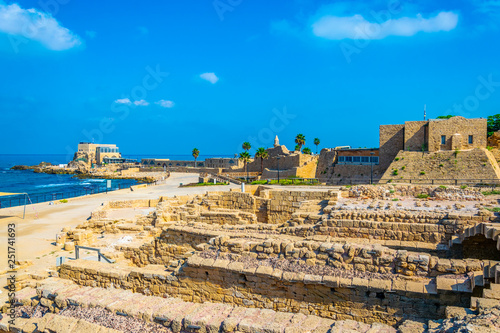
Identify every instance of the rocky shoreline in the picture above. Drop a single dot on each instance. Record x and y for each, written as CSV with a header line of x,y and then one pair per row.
x,y
48,168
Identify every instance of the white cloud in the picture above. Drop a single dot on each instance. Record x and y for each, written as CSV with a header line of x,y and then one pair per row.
x,y
123,101
210,77
36,25
165,104
127,101
141,102
357,27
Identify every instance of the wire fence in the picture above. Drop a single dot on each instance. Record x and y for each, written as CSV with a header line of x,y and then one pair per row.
x,y
19,200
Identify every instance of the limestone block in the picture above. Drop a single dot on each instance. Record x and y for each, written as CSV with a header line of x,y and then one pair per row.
x,y
69,246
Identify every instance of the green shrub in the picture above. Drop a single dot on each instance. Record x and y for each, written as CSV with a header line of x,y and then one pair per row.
x,y
259,182
489,148
491,192
463,187
348,186
63,201
403,167
443,187
422,172
423,196
395,199
391,191
396,159
441,165
395,172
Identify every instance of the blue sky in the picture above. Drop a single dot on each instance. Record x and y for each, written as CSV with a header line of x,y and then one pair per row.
x,y
163,77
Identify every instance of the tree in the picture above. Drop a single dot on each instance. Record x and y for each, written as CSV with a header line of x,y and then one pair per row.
x,y
300,140
195,153
297,148
245,157
445,117
246,146
262,154
316,142
493,124
306,151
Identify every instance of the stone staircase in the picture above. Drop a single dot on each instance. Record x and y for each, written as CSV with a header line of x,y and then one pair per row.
x,y
489,299
488,230
53,323
181,316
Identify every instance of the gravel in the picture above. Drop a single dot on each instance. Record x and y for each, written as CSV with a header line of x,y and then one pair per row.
x,y
293,265
97,316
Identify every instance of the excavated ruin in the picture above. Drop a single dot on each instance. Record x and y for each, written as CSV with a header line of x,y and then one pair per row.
x,y
365,259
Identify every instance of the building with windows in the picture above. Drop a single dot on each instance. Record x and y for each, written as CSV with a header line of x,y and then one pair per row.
x,y
165,162
97,153
456,133
357,156
416,150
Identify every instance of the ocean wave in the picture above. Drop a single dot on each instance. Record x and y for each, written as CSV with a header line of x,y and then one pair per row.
x,y
55,185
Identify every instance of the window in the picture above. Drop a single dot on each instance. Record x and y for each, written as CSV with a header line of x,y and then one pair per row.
x,y
341,159
365,159
374,159
348,158
443,139
471,139
356,159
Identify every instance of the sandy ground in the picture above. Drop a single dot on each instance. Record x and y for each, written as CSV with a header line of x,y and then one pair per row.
x,y
35,234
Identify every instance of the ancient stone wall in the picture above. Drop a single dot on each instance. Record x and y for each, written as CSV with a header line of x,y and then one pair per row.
x,y
465,127
207,280
391,142
284,203
325,163
416,135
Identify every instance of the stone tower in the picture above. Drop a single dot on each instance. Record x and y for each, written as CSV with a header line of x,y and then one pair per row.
x,y
276,141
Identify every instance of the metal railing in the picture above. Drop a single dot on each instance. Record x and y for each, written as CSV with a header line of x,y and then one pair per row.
x,y
457,182
99,254
290,181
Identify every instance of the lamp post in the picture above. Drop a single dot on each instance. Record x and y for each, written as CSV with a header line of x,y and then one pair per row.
x,y
371,164
278,158
247,170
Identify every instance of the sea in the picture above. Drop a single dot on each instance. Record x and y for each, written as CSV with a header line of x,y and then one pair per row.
x,y
42,187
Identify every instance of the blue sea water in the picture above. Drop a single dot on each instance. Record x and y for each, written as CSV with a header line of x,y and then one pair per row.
x,y
45,187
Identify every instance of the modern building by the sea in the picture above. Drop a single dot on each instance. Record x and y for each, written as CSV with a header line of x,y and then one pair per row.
x,y
98,153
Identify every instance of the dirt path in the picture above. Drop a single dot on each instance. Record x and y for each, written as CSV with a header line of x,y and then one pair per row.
x,y
36,233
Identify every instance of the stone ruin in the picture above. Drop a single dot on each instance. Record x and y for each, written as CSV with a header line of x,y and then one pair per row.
x,y
272,260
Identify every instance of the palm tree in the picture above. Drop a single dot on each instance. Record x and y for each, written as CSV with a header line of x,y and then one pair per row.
x,y
195,153
306,151
262,154
300,140
245,157
316,142
246,146
297,148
